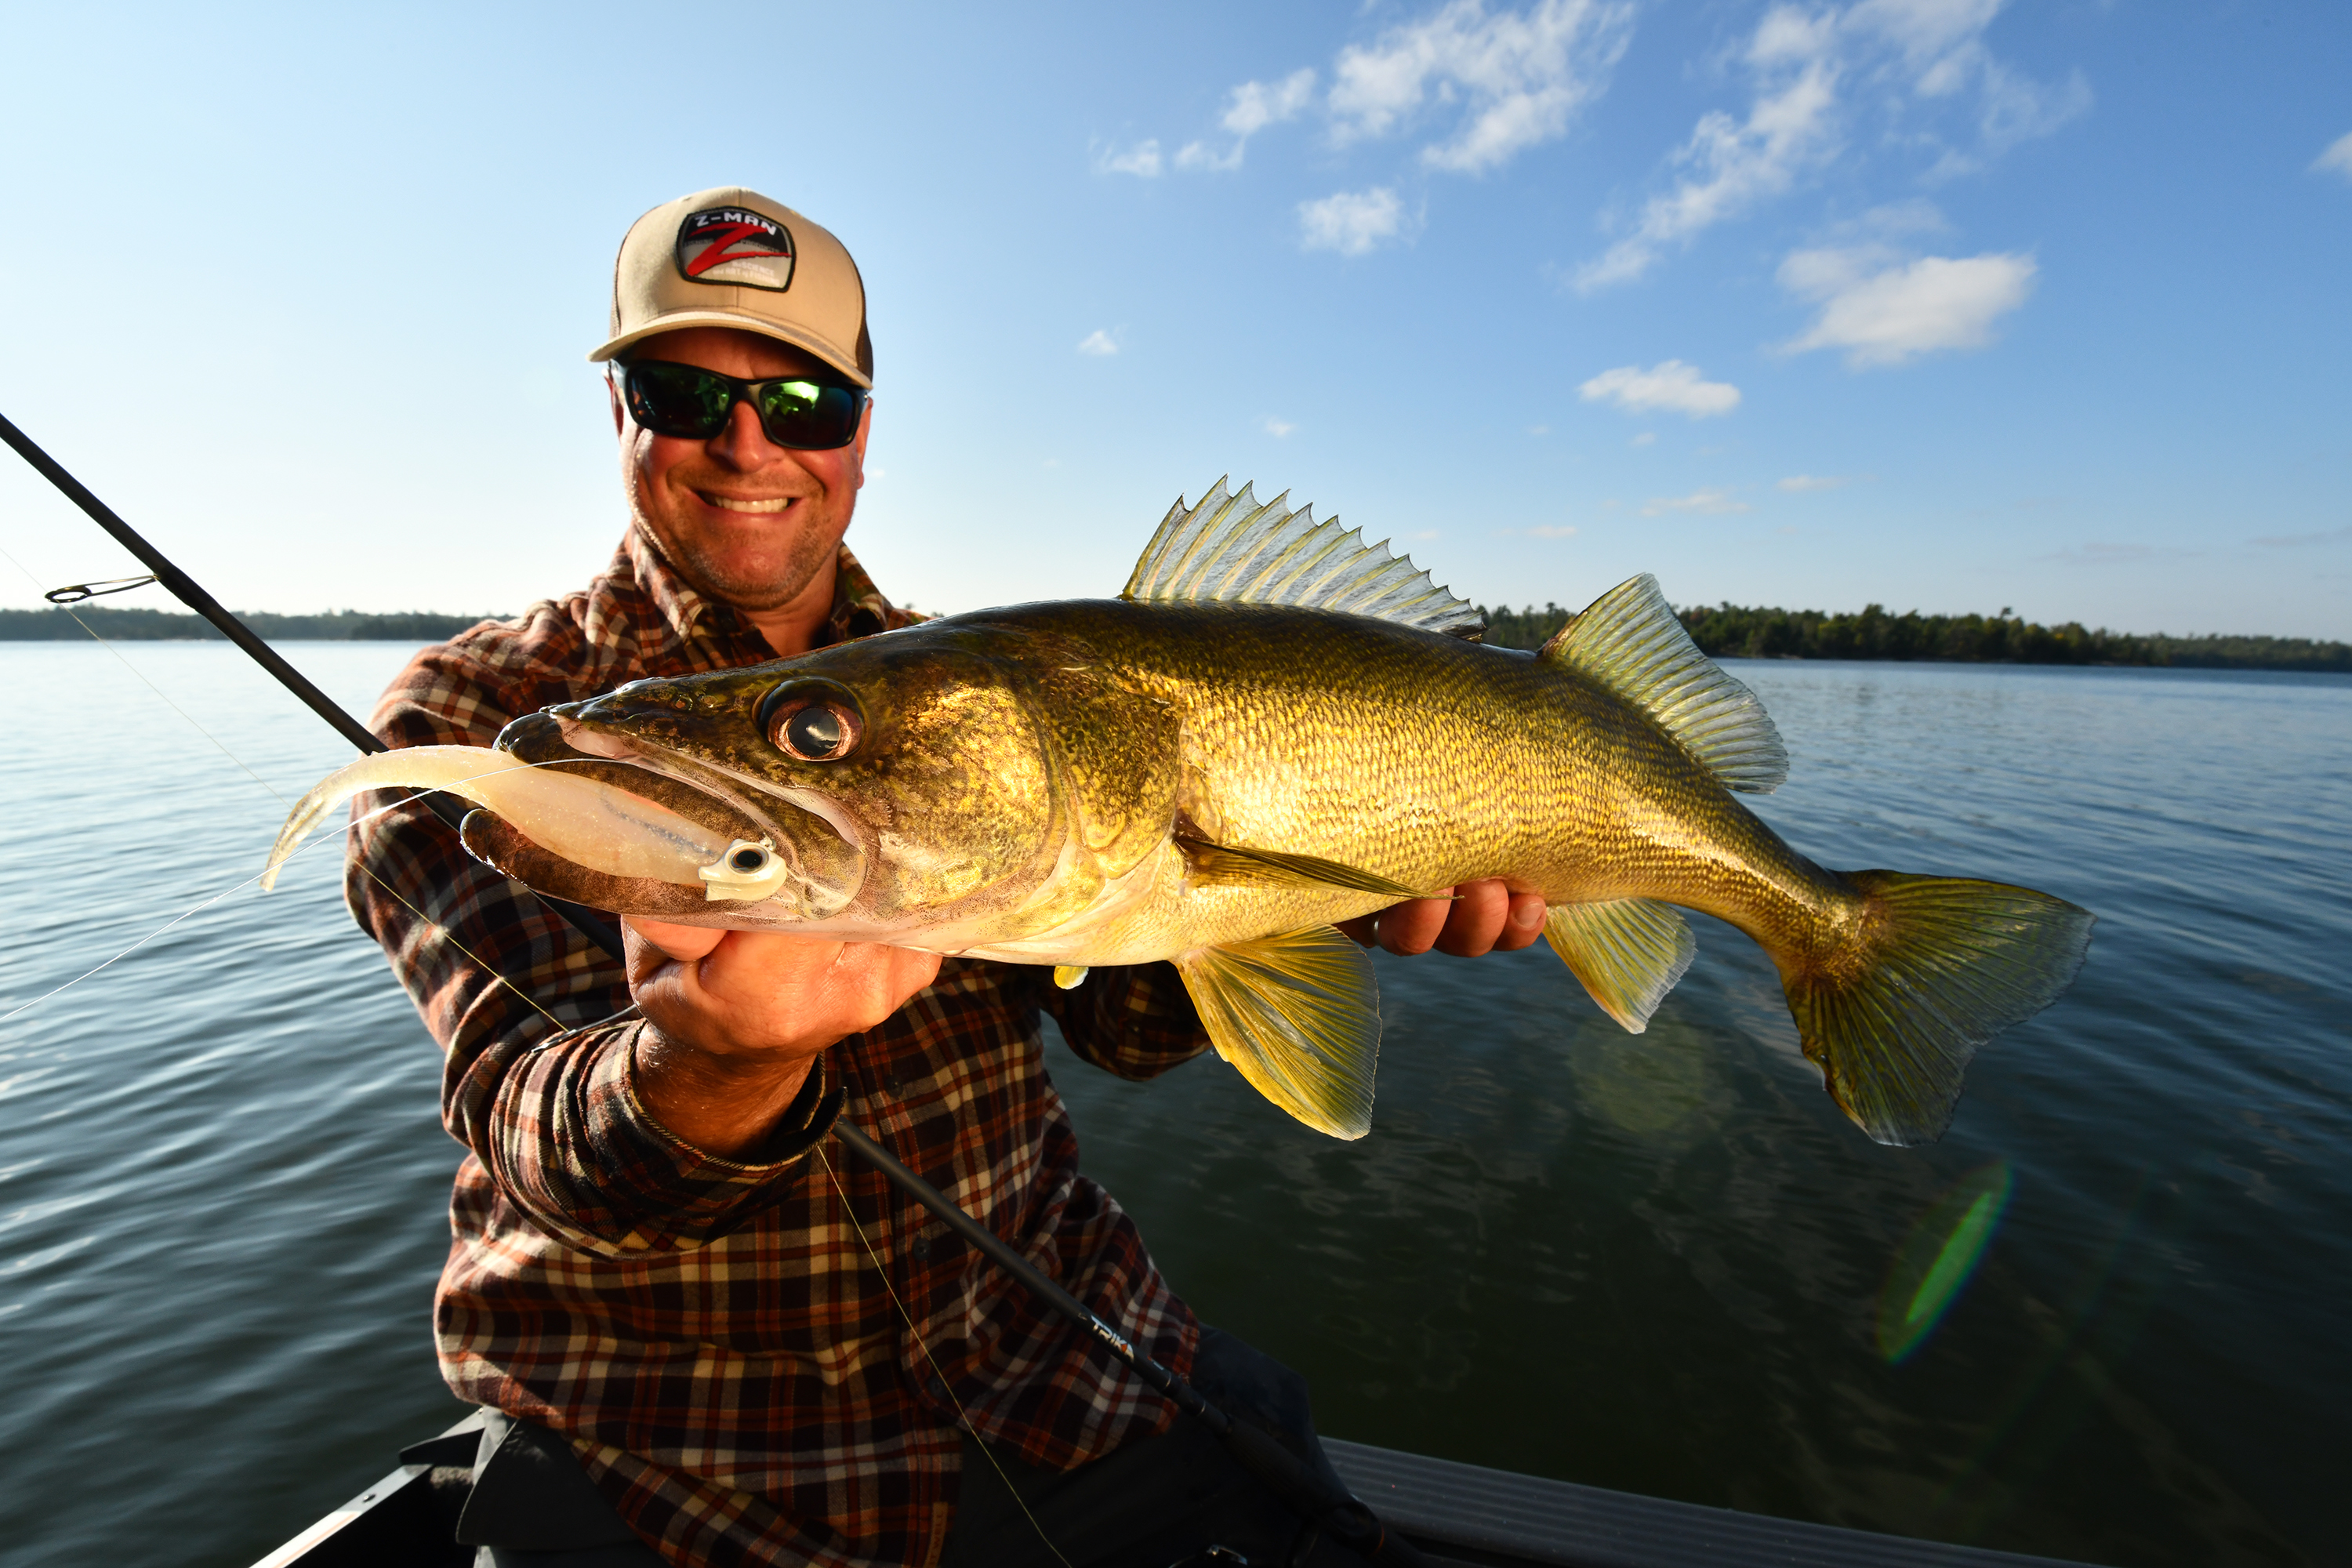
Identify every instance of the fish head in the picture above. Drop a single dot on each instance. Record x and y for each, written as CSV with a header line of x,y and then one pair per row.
x,y
905,779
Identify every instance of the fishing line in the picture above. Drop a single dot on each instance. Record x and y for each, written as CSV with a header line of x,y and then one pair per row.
x,y
150,686
354,823
963,1417
1282,1472
152,935
223,748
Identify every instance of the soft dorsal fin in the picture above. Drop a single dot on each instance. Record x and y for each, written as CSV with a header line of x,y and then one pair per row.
x,y
1631,642
1233,550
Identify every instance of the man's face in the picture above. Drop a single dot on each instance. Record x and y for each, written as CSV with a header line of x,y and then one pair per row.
x,y
743,520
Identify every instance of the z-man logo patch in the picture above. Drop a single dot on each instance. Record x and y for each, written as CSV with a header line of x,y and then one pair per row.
x,y
730,245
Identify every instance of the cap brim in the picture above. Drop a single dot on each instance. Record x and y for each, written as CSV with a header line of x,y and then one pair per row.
x,y
807,342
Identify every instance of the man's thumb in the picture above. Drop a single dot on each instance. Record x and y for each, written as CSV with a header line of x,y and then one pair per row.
x,y
683,944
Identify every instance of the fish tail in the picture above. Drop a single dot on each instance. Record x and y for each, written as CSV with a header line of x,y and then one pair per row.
x,y
1922,971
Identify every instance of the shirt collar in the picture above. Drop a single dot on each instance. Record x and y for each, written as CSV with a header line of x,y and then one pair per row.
x,y
859,609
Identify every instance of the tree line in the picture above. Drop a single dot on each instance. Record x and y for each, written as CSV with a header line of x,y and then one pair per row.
x,y
1723,631
1738,631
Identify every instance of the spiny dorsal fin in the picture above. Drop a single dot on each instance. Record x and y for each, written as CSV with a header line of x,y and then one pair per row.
x,y
1631,642
1231,550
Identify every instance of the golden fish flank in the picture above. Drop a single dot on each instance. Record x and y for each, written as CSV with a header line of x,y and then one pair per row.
x,y
1274,727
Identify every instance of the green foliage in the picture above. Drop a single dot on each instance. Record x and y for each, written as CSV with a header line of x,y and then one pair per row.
x,y
1528,628
1735,631
56,625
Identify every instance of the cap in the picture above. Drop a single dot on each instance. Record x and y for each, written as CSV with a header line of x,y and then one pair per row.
x,y
733,258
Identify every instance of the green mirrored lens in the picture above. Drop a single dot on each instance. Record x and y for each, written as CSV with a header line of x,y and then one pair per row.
x,y
678,399
687,400
808,415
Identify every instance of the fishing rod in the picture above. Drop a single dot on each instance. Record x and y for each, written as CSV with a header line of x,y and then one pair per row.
x,y
184,588
1307,1494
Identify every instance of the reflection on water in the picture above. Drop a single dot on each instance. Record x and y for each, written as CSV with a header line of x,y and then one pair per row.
x,y
1652,1263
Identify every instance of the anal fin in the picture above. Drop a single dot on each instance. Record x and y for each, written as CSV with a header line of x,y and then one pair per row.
x,y
1628,953
1300,1016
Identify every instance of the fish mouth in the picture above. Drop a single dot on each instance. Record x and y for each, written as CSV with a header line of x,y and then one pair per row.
x,y
811,862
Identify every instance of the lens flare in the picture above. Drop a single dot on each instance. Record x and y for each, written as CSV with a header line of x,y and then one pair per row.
x,y
1936,1260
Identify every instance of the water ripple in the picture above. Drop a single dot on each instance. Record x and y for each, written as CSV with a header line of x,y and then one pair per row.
x,y
1646,1263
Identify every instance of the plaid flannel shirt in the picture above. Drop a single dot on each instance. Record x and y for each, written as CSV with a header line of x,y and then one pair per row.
x,y
713,1334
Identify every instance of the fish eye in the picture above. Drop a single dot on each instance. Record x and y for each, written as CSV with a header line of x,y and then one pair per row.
x,y
751,858
812,720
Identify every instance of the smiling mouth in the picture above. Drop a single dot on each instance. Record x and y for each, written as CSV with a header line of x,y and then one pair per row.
x,y
739,504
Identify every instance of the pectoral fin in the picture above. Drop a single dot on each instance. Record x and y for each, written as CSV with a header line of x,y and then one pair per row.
x,y
1300,1016
1208,864
1628,951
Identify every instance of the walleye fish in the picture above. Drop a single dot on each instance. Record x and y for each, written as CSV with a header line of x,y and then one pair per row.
x,y
1274,728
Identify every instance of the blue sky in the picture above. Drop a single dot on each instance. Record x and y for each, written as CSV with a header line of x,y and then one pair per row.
x,y
1947,304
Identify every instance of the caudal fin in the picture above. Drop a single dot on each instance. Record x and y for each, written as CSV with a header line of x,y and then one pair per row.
x,y
1937,966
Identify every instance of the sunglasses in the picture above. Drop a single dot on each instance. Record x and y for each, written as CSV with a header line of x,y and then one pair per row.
x,y
685,400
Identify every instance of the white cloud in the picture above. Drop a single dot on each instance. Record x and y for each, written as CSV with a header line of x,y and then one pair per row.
x,y
1735,164
1550,531
2291,541
1142,160
1883,312
2101,553
2017,109
1516,77
2338,157
1646,438
1098,341
1710,501
1250,109
1279,428
1918,63
1350,222
1670,384
1799,484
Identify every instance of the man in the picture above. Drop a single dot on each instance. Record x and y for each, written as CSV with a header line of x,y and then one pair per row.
x,y
663,1274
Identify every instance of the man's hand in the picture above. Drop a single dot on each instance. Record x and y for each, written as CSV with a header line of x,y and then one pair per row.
x,y
1485,917
737,1017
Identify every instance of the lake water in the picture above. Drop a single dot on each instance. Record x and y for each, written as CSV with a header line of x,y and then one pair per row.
x,y
1655,1265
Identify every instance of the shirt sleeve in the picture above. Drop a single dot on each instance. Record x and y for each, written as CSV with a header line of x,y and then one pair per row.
x,y
1136,1021
497,976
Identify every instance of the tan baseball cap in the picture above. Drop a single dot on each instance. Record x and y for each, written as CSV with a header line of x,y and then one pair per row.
x,y
733,258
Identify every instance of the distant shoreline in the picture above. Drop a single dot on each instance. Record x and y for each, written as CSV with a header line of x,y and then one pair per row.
x,y
1735,631
170,626
1723,631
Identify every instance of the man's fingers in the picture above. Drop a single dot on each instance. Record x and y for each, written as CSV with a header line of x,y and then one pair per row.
x,y
1412,927
1526,925
1476,918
